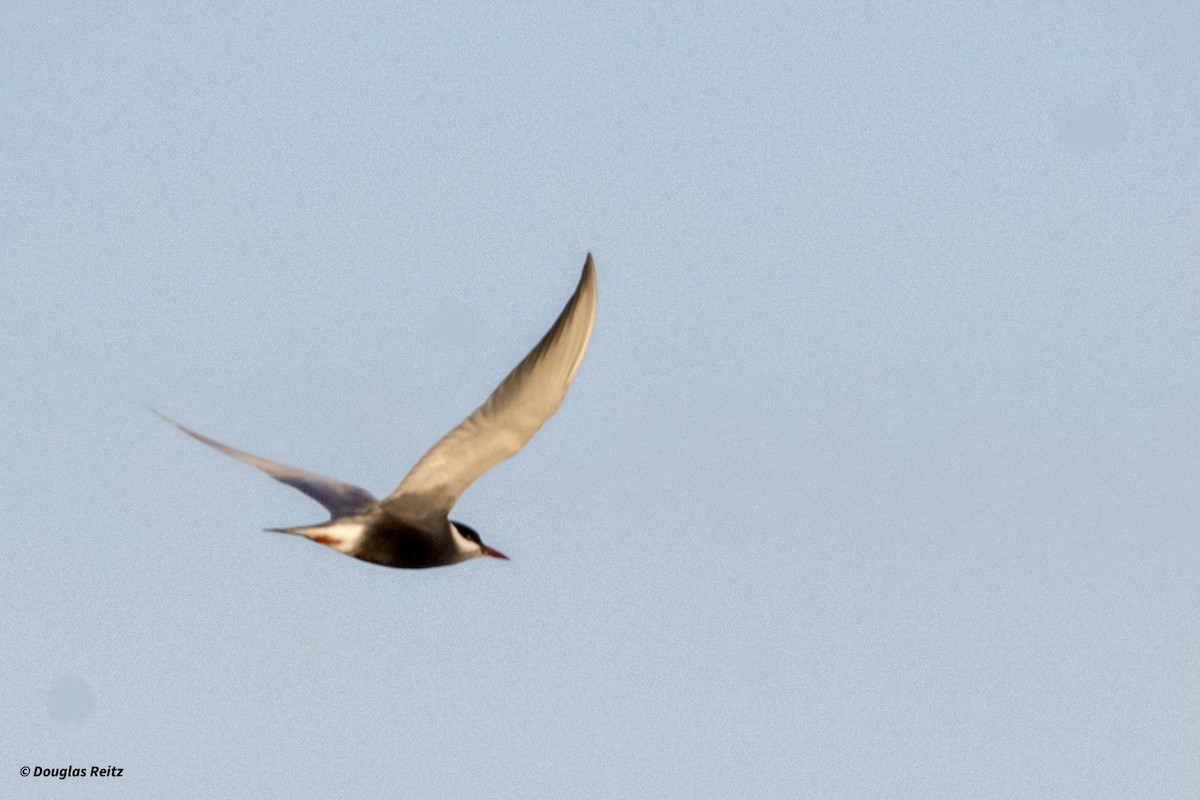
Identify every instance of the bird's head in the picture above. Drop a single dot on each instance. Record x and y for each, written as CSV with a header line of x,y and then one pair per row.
x,y
469,543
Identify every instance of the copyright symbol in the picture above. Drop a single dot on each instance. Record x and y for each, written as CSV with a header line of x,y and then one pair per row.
x,y
24,772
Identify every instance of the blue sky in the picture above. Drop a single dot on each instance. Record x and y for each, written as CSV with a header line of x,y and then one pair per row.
x,y
878,480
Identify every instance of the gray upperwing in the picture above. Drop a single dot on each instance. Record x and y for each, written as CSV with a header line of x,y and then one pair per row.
x,y
341,499
509,417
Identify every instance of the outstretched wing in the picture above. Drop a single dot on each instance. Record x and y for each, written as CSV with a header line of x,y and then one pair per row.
x,y
510,417
341,499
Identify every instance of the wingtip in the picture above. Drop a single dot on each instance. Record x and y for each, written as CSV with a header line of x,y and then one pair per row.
x,y
185,429
588,277
160,415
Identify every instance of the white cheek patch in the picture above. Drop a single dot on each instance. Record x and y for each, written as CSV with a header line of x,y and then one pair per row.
x,y
465,546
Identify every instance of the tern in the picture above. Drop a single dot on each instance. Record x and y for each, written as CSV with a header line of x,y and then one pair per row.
x,y
411,528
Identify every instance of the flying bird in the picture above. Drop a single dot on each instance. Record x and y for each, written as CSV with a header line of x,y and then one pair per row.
x,y
411,528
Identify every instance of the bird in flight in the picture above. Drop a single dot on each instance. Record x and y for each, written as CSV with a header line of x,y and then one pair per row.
x,y
411,528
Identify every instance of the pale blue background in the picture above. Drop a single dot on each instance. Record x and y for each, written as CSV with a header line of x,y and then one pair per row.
x,y
879,479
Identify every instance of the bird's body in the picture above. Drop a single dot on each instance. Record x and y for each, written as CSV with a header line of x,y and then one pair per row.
x,y
383,538
393,542
411,528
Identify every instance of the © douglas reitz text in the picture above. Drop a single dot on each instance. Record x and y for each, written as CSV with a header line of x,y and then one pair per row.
x,y
63,773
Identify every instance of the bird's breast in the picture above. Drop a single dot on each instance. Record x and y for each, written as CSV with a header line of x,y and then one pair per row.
x,y
394,542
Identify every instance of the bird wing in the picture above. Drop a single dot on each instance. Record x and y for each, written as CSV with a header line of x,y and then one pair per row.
x,y
509,418
341,499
